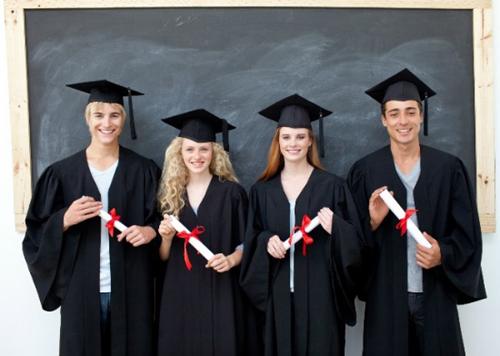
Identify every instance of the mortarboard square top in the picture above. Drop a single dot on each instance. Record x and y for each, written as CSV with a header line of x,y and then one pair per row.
x,y
294,111
104,91
402,86
200,126
109,92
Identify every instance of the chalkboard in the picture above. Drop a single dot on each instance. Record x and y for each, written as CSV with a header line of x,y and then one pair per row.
x,y
236,61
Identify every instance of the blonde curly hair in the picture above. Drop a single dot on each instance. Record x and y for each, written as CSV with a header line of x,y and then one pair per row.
x,y
175,175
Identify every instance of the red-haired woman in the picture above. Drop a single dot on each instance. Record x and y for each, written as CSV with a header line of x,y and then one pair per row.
x,y
307,293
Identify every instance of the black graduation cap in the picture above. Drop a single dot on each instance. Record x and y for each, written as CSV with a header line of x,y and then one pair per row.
x,y
403,86
297,112
108,92
200,125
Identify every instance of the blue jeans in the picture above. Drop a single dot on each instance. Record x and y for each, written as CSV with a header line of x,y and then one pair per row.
x,y
105,324
416,323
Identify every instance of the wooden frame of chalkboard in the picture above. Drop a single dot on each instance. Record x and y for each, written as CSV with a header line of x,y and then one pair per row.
x,y
483,77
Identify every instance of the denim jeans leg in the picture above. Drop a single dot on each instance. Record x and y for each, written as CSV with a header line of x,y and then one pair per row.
x,y
416,323
105,324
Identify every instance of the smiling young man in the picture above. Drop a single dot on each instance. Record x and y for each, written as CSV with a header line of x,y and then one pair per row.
x,y
411,291
103,284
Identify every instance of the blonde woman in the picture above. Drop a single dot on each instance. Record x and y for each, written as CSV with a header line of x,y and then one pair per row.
x,y
103,284
306,292
202,311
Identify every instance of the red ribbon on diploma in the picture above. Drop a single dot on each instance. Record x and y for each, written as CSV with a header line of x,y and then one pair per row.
x,y
401,225
197,231
110,225
306,238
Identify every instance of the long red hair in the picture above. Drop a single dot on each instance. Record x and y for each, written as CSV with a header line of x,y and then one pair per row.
x,y
275,161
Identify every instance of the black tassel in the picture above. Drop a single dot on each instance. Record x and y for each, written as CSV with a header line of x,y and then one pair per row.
x,y
426,115
321,136
133,133
225,135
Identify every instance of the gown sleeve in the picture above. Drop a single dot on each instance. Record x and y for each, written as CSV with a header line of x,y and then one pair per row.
x,y
345,253
356,181
152,179
255,266
152,213
461,248
239,218
49,252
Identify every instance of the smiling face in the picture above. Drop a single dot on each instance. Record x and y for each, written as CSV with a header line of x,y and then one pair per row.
x,y
196,156
294,143
403,120
105,122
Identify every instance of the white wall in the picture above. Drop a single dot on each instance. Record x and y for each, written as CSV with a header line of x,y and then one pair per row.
x,y
26,330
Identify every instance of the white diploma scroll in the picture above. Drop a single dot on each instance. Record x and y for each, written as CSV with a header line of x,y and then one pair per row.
x,y
297,236
106,217
197,244
400,213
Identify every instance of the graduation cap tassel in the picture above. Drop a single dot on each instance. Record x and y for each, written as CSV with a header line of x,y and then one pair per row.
x,y
133,133
225,135
426,114
321,136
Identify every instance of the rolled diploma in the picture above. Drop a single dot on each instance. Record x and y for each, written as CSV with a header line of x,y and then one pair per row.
x,y
106,217
197,244
400,213
297,236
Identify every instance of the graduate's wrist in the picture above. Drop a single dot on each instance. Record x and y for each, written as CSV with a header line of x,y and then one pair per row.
x,y
230,261
149,233
374,225
234,259
66,225
167,237
164,255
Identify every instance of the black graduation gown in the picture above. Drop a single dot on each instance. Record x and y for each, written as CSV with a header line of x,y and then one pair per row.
x,y
325,279
65,265
447,211
203,312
